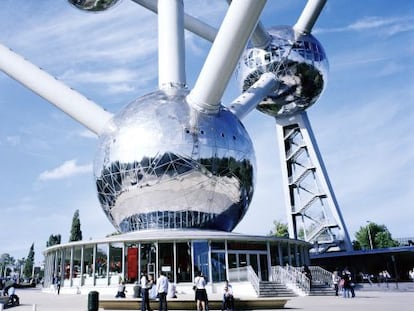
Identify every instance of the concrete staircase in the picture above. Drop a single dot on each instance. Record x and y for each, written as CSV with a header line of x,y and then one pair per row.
x,y
272,289
321,290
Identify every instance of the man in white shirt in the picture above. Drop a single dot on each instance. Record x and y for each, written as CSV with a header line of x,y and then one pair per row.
x,y
162,290
145,286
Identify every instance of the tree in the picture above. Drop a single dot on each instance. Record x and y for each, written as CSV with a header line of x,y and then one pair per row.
x,y
280,229
356,246
377,235
384,240
29,263
5,261
53,240
75,231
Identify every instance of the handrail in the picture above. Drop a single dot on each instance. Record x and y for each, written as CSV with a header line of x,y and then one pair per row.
x,y
292,277
253,279
246,273
321,275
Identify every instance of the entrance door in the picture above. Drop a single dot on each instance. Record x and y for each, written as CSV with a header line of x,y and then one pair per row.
x,y
257,260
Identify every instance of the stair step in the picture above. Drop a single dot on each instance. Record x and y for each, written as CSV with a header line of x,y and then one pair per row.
x,y
272,289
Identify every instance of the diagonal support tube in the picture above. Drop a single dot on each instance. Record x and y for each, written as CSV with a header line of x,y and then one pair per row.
x,y
56,92
237,26
249,99
260,37
309,16
192,24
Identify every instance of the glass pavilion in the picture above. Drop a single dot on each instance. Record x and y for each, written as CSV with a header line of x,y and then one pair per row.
x,y
181,254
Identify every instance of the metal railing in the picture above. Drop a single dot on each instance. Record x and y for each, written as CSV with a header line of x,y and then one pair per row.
x,y
320,275
293,278
245,274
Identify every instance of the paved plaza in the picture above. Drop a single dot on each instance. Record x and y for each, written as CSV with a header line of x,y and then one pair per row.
x,y
374,299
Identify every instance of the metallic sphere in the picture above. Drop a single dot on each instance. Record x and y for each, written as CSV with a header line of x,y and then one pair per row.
x,y
162,164
93,5
299,63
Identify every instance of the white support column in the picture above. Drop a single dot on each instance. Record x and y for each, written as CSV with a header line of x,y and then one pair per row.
x,y
72,250
54,91
94,265
171,53
82,268
280,251
310,201
238,24
289,254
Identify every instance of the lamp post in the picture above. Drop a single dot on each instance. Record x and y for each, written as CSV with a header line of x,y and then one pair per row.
x,y
369,234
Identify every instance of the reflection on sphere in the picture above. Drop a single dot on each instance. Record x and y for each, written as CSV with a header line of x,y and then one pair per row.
x,y
168,166
299,63
93,5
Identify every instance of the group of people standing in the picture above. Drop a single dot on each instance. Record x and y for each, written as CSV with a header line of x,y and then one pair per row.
x,y
162,285
146,285
343,282
163,289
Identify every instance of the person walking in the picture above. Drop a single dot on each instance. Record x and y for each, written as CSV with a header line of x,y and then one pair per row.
x,y
306,271
200,292
162,290
146,284
58,285
335,281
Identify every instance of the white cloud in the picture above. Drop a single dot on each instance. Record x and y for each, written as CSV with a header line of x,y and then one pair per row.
x,y
13,140
67,169
371,22
381,25
100,77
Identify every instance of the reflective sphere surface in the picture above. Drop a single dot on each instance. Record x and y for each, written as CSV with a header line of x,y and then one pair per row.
x,y
165,165
299,63
93,5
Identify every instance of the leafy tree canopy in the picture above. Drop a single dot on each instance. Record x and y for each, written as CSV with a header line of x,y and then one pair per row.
x,y
53,240
5,261
280,229
29,263
373,233
75,231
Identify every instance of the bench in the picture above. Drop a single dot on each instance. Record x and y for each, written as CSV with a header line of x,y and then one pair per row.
x,y
189,304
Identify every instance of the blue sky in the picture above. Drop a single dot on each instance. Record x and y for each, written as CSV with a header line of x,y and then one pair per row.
x,y
363,122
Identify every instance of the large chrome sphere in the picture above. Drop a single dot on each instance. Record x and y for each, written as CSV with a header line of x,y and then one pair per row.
x,y
299,63
93,5
162,164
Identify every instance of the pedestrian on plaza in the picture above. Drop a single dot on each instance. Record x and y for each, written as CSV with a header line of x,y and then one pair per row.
x,y
200,292
162,291
351,283
335,281
306,271
58,285
146,284
13,298
228,298
411,274
121,290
